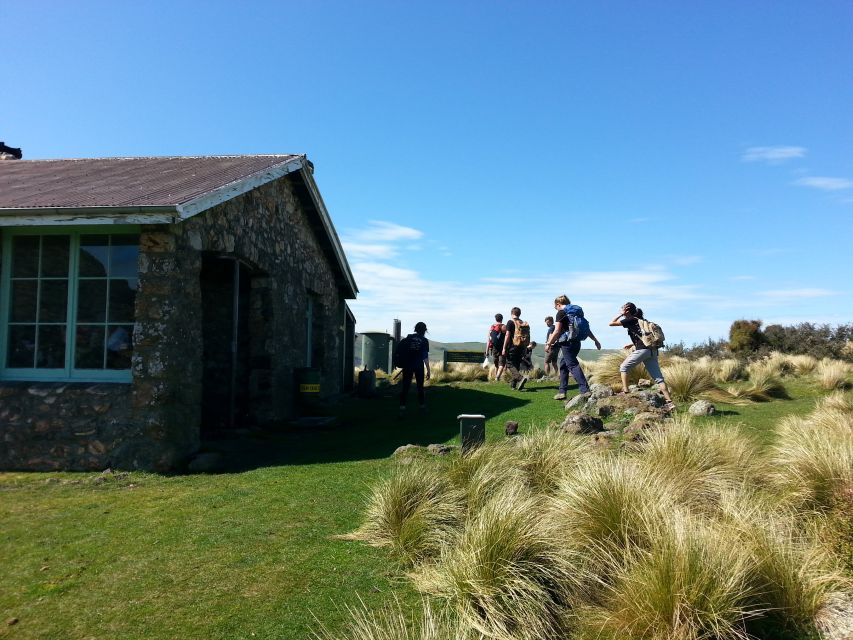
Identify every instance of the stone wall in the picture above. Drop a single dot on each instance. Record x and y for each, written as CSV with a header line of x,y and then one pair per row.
x,y
155,422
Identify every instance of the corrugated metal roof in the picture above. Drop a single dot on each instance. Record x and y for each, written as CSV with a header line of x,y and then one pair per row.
x,y
123,182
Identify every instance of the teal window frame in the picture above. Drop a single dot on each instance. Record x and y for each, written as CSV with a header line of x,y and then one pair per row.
x,y
69,373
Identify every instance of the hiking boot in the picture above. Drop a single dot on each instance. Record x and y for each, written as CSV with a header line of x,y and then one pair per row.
x,y
560,396
522,383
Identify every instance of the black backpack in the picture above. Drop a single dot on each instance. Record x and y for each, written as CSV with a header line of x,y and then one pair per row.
x,y
401,353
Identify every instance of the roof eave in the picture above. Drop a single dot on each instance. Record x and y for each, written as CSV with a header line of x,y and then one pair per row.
x,y
59,216
239,187
326,221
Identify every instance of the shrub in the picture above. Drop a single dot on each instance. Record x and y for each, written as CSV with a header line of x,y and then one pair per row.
x,y
507,577
745,336
416,512
821,341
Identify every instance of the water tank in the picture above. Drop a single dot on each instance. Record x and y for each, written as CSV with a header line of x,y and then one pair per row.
x,y
375,350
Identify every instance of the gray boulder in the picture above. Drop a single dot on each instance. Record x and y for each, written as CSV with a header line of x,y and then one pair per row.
x,y
582,423
702,408
598,391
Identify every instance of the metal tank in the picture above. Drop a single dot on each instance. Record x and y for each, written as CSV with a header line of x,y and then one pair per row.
x,y
375,350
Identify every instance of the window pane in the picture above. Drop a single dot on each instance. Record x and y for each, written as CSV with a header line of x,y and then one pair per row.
x,y
93,255
92,301
54,256
53,302
24,296
25,256
89,348
125,253
22,346
120,347
51,347
122,298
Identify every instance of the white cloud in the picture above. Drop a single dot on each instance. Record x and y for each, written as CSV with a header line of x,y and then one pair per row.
x,y
793,294
772,155
381,231
360,250
686,261
824,183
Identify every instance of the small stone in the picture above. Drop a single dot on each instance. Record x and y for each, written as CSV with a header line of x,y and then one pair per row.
x,y
511,428
702,408
406,448
439,449
582,423
598,391
12,621
577,402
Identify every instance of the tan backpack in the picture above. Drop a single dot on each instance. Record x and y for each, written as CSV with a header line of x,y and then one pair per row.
x,y
521,334
651,334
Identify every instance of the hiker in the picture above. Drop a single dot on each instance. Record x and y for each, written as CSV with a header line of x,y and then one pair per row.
x,y
629,317
413,358
550,355
515,347
495,345
571,329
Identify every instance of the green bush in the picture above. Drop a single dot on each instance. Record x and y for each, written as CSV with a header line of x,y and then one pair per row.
x,y
745,336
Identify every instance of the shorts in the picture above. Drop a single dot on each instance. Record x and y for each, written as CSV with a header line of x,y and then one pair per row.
x,y
552,355
649,358
499,358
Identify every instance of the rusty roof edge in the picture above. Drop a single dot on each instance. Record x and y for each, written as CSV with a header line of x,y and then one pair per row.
x,y
57,216
308,177
231,190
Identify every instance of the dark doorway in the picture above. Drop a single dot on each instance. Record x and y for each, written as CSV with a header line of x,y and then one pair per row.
x,y
225,288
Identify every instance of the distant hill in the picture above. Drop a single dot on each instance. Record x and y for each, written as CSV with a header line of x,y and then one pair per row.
x,y
436,348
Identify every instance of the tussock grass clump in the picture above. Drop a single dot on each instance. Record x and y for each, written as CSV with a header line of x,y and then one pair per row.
x,y
728,370
507,577
838,400
484,472
545,456
764,384
832,374
812,459
693,582
607,507
690,381
458,372
416,512
698,463
803,364
391,623
605,370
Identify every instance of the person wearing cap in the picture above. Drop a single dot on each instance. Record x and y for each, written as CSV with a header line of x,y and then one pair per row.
x,y
415,358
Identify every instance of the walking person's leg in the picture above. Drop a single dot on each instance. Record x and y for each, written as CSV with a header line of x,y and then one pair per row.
x,y
419,380
634,358
513,362
575,366
563,368
653,367
405,383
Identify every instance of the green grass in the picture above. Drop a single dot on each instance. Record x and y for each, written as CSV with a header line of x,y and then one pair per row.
x,y
249,553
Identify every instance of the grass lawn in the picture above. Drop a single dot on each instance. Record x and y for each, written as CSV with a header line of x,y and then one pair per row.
x,y
247,553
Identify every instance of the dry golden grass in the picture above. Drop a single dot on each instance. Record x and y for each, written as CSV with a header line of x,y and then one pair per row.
x,y
605,370
833,374
693,380
765,383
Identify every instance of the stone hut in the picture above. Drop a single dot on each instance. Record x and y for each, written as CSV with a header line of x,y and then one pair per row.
x,y
146,303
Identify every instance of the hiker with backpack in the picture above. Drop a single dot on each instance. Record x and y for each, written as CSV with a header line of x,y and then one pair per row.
x,y
646,338
571,329
495,345
515,347
412,356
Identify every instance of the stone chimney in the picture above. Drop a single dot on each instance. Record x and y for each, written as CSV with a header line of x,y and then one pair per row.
x,y
9,153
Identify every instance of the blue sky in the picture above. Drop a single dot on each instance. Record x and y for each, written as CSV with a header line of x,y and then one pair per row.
x,y
695,158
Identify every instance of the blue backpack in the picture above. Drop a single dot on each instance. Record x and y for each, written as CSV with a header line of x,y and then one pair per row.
x,y
578,326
